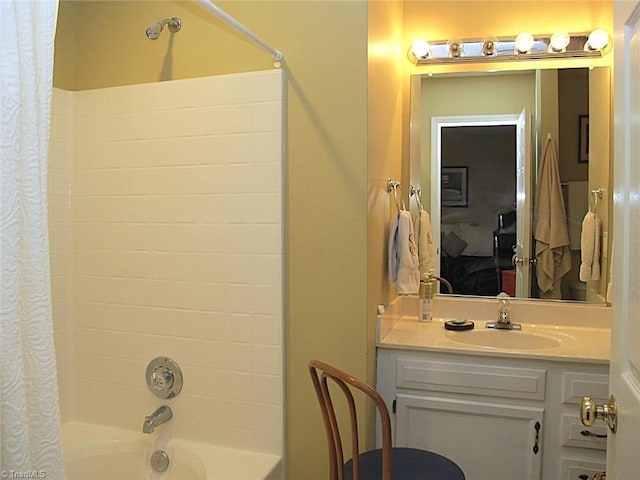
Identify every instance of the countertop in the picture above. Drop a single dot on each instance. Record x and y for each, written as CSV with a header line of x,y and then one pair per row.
x,y
571,344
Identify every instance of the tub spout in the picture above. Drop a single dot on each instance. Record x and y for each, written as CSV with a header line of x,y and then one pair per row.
x,y
161,415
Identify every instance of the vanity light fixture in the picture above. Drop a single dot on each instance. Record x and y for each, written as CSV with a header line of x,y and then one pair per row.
x,y
524,46
524,43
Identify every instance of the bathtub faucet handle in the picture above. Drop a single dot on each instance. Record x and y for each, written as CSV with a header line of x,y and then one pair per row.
x,y
162,379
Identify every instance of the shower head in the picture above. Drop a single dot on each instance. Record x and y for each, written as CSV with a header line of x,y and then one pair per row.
x,y
174,23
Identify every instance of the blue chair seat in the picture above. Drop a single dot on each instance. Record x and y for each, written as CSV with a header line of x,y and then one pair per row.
x,y
408,464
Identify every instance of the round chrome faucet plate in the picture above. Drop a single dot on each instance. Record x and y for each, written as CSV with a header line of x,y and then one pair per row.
x,y
164,377
159,461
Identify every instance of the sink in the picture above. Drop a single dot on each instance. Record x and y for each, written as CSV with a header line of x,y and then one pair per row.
x,y
511,339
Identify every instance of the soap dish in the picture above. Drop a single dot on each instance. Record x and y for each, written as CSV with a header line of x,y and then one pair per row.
x,y
451,325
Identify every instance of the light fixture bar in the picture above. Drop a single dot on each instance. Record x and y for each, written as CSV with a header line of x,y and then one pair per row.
x,y
505,50
508,57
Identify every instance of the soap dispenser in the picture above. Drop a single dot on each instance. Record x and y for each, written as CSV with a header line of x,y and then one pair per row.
x,y
426,292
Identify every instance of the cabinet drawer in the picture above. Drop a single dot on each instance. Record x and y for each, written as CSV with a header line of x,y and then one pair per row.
x,y
577,385
577,469
572,435
504,382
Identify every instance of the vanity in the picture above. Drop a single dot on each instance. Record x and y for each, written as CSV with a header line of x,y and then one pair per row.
x,y
502,404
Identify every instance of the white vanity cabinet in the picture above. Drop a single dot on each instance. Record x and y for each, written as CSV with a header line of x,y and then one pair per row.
x,y
499,418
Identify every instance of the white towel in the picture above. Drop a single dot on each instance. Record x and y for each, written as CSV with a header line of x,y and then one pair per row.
x,y
553,258
577,207
590,247
403,255
426,250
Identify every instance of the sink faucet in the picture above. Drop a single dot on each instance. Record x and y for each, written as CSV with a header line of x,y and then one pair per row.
x,y
503,308
161,415
504,319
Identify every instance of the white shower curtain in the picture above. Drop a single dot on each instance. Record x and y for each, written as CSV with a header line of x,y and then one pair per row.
x,y
30,445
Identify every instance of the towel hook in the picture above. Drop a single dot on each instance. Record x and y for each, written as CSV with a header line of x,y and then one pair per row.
x,y
417,191
393,186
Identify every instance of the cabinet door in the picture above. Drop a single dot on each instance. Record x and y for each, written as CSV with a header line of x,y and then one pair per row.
x,y
487,440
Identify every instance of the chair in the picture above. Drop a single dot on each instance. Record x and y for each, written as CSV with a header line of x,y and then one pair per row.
x,y
387,463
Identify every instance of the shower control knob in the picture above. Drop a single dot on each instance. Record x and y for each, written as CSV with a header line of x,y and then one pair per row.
x,y
164,377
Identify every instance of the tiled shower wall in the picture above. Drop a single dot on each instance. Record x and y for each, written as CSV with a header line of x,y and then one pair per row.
x,y
177,233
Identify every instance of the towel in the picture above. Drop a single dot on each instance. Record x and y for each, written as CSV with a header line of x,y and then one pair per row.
x,y
403,255
577,206
553,258
590,247
426,250
393,249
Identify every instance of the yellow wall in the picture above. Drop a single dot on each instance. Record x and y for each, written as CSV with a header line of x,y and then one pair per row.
x,y
384,140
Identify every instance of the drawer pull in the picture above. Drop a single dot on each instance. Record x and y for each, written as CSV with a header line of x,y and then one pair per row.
x,y
587,433
535,445
584,476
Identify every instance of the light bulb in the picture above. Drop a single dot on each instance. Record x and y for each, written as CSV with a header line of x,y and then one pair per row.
x,y
420,48
490,46
559,41
455,48
524,42
598,39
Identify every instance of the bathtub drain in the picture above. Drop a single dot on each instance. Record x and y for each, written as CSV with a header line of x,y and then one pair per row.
x,y
159,461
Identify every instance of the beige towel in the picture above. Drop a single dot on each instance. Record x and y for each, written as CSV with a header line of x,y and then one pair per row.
x,y
553,258
590,247
426,250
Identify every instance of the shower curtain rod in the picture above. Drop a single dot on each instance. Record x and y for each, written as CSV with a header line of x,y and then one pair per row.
x,y
213,8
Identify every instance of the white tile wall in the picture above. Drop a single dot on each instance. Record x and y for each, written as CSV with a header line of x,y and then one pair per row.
x,y
178,231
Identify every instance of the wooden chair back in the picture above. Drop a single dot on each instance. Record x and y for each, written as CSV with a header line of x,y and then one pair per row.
x,y
321,373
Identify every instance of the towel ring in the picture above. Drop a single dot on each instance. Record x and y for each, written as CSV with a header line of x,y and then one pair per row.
x,y
395,197
596,196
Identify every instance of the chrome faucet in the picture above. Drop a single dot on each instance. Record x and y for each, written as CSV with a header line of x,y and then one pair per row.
x,y
161,415
504,319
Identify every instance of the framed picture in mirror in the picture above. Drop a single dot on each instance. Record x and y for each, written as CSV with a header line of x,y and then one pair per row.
x,y
454,187
583,147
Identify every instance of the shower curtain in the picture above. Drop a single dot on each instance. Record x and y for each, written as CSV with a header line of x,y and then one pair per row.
x,y
30,444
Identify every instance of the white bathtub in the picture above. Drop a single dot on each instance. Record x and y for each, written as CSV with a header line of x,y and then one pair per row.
x,y
98,452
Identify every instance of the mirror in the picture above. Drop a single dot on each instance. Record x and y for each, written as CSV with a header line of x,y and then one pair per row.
x,y
477,144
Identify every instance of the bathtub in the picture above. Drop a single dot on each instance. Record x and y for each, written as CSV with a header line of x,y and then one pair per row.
x,y
99,452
